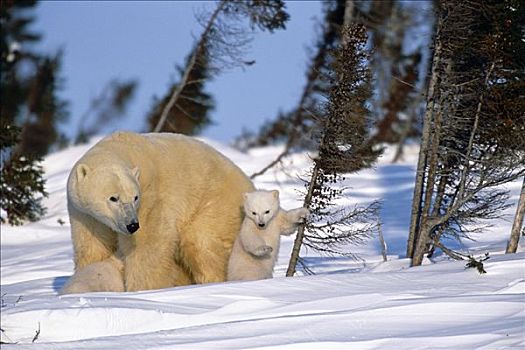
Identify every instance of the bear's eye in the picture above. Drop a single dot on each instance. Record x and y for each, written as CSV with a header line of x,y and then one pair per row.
x,y
136,198
113,199
267,212
254,213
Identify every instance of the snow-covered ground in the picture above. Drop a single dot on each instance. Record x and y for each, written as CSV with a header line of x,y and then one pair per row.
x,y
368,304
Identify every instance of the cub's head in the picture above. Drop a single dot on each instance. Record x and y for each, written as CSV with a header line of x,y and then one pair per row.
x,y
109,194
261,206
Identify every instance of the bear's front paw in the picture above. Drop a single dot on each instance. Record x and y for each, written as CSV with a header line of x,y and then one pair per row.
x,y
302,215
263,250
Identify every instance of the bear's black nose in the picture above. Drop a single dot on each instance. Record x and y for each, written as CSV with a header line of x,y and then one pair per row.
x,y
261,225
134,226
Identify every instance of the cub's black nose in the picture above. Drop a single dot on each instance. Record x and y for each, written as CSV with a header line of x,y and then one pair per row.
x,y
134,226
261,225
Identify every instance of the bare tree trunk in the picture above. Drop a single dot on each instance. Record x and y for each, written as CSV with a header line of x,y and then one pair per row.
x,y
440,195
384,247
425,143
348,16
300,232
191,63
512,246
425,226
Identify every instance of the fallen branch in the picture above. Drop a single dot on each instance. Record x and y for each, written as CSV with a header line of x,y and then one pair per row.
x,y
37,334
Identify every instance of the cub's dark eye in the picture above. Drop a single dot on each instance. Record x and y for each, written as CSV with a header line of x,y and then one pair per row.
x,y
254,213
136,198
113,199
267,212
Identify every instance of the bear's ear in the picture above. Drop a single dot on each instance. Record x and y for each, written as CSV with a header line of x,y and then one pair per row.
x,y
136,172
275,194
245,195
82,171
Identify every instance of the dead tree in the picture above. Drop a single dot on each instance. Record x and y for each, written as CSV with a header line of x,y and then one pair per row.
x,y
343,148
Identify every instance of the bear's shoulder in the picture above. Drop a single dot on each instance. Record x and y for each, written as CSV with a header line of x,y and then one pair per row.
x,y
125,136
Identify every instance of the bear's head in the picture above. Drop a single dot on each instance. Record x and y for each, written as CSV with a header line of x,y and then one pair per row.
x,y
261,206
109,194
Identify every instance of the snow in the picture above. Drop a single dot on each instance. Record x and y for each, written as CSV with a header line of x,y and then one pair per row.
x,y
348,304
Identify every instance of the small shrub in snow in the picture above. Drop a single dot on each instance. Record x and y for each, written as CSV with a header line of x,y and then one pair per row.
x,y
22,184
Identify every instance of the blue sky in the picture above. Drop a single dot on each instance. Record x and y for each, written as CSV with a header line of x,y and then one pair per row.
x,y
145,40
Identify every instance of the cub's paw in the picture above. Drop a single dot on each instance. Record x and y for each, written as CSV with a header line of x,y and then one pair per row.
x,y
263,250
300,215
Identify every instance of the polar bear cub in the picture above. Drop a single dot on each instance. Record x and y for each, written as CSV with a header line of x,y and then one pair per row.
x,y
256,248
102,276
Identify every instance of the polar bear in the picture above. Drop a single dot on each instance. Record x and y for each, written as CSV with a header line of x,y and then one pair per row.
x,y
159,210
256,249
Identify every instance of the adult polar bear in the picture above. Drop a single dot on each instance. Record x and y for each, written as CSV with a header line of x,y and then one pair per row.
x,y
160,210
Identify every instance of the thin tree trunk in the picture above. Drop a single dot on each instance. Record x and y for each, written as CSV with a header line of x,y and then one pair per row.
x,y
300,232
384,247
426,227
440,195
348,17
512,246
425,141
191,63
431,202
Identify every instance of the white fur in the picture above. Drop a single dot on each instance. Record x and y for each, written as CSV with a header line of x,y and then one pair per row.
x,y
256,249
103,276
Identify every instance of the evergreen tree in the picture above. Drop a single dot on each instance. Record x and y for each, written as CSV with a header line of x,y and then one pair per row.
x,y
43,109
14,37
21,182
332,228
29,113
29,83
